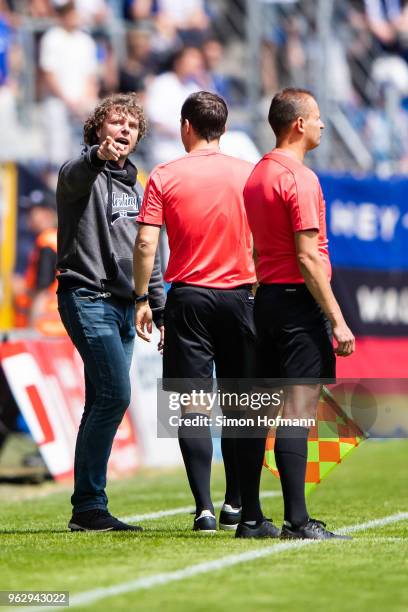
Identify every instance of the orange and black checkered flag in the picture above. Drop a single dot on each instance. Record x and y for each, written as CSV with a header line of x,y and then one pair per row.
x,y
333,437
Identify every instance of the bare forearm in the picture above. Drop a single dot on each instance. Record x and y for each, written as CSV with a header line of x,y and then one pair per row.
x,y
316,281
143,260
53,85
314,273
91,92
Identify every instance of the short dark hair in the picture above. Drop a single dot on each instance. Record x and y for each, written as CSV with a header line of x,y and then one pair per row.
x,y
286,106
207,114
62,8
123,103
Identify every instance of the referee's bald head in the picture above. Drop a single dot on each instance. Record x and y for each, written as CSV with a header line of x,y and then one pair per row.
x,y
287,106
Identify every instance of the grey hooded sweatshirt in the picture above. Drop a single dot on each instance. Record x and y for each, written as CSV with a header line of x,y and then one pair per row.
x,y
97,204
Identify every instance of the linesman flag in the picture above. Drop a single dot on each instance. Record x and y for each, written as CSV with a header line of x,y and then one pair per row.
x,y
333,437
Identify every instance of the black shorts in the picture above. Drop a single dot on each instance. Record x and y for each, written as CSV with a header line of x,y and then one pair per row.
x,y
207,327
294,335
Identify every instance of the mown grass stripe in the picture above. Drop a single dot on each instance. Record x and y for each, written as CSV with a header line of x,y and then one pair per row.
x,y
134,518
148,582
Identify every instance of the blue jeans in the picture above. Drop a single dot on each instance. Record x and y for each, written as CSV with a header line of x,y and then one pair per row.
x,y
103,331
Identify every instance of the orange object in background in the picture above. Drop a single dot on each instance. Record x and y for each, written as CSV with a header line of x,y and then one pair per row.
x,y
46,320
45,377
332,438
35,299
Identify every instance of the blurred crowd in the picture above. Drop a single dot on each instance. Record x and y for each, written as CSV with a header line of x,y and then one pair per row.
x,y
85,49
165,49
367,67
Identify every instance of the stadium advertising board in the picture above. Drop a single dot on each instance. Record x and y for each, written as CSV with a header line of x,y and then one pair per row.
x,y
367,221
45,377
374,302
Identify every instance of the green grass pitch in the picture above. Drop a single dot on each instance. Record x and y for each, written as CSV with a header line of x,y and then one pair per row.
x,y
369,573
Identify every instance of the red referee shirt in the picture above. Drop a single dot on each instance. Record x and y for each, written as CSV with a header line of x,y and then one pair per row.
x,y
200,199
282,196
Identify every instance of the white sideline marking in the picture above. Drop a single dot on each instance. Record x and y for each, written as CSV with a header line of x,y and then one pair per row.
x,y
183,510
387,520
383,539
148,582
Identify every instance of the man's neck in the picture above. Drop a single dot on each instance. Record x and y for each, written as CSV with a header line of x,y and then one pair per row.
x,y
214,145
294,149
121,162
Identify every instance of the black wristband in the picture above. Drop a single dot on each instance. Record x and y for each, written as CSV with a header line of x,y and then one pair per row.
x,y
158,317
141,298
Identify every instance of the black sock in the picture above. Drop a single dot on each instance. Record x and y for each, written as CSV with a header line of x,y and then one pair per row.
x,y
251,451
230,458
291,460
197,448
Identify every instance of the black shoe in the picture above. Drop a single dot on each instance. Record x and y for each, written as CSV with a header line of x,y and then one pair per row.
x,y
229,518
205,523
262,529
312,530
98,520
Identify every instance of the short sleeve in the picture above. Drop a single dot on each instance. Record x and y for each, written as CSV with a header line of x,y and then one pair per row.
x,y
302,196
46,54
151,211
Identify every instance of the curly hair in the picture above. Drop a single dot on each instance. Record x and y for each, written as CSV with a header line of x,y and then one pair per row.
x,y
123,103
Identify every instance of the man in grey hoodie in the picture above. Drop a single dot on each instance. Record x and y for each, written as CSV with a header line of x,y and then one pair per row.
x,y
98,200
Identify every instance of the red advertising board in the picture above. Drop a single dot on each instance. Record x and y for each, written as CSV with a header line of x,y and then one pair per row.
x,y
376,358
46,379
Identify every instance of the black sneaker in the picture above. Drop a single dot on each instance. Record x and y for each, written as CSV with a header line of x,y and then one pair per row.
x,y
262,529
98,520
205,523
229,518
312,530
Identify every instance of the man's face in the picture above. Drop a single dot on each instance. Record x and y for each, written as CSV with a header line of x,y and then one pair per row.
x,y
139,45
213,52
190,64
123,128
70,20
40,219
313,125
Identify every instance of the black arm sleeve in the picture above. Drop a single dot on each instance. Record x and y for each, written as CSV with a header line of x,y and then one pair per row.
x,y
45,269
157,294
77,176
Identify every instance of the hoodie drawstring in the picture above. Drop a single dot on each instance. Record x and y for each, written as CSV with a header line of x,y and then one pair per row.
x,y
110,198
